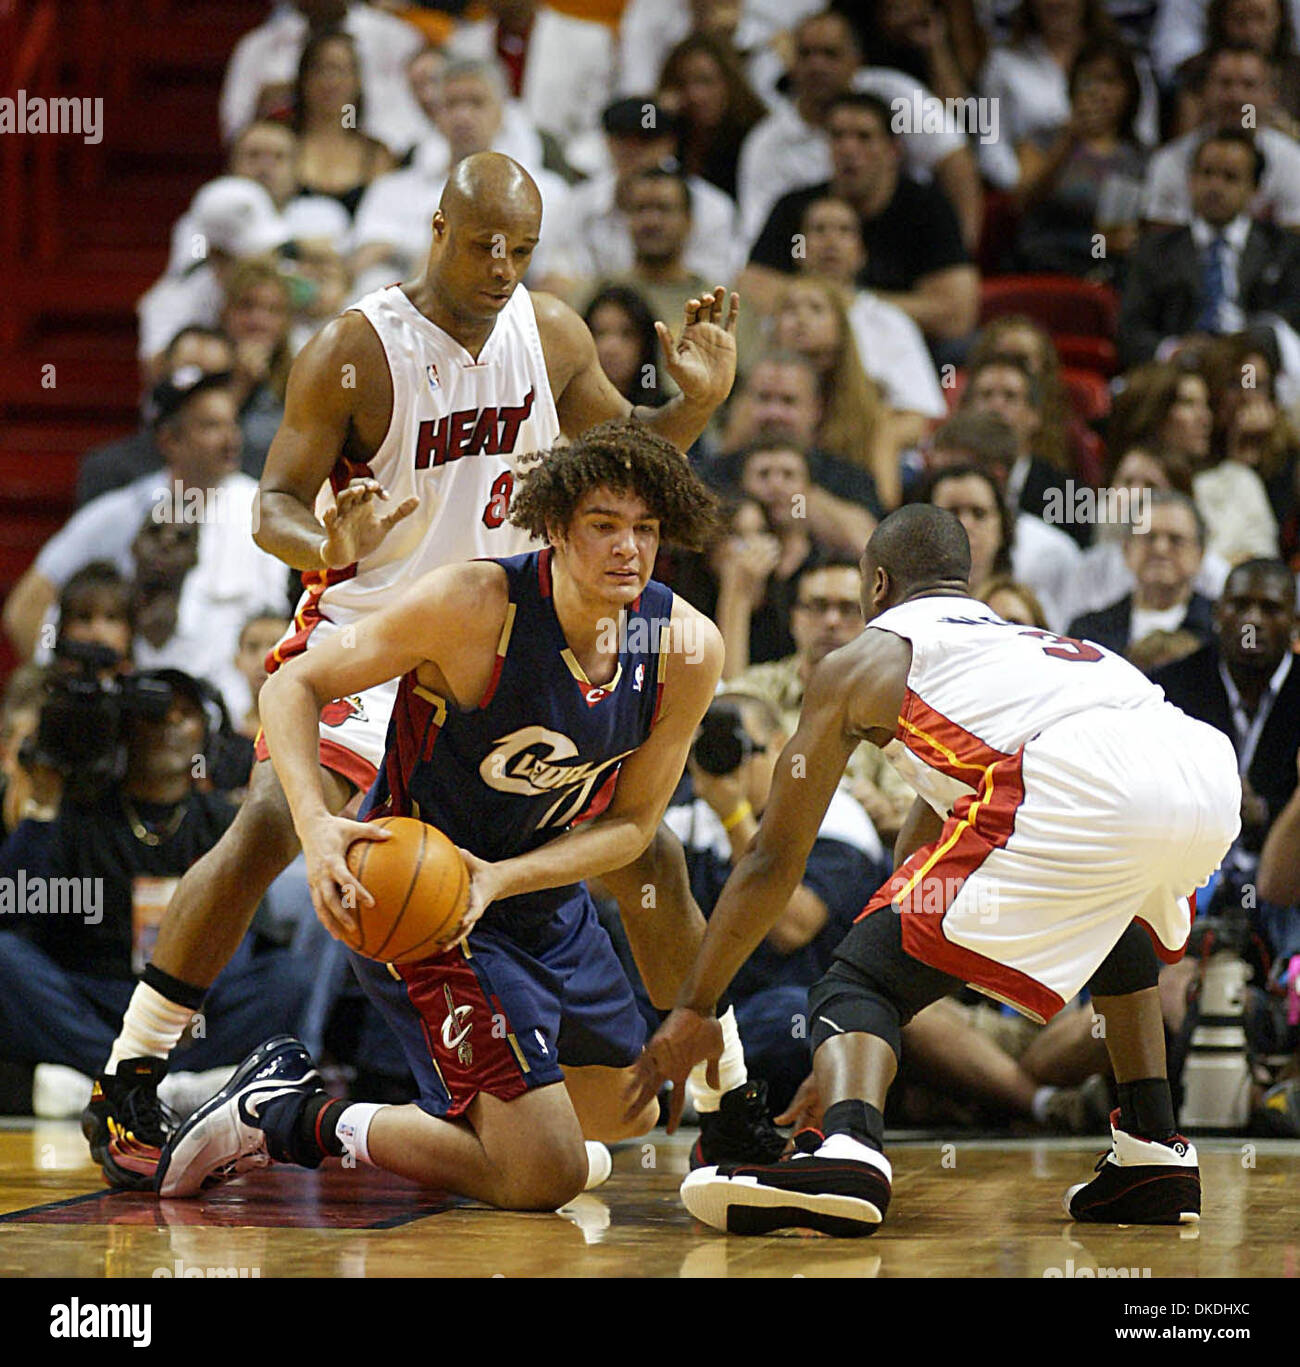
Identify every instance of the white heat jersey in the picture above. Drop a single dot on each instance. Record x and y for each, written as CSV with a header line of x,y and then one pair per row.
x,y
458,428
1076,801
979,688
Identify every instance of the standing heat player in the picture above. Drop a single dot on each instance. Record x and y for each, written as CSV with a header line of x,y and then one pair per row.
x,y
546,706
1066,812
395,456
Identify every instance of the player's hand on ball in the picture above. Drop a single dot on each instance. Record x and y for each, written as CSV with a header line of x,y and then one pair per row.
x,y
358,521
679,1044
335,890
702,361
484,889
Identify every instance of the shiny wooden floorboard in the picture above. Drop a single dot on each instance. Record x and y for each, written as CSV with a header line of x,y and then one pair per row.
x,y
974,1208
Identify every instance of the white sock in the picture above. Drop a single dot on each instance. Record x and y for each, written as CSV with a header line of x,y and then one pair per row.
x,y
731,1068
600,1163
845,1146
353,1129
1038,1106
150,1028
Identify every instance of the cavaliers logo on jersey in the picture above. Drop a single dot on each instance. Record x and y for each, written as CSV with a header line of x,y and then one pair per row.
x,y
337,712
535,761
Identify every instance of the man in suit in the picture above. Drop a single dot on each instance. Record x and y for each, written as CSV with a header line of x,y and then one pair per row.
x,y
1220,270
1164,558
1245,682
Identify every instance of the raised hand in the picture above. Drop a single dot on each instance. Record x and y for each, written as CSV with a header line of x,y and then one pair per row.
x,y
702,361
357,523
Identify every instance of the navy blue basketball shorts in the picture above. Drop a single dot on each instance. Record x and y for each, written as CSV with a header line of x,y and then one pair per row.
x,y
501,1013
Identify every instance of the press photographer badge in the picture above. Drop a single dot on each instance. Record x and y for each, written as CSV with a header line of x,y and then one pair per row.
x,y
149,900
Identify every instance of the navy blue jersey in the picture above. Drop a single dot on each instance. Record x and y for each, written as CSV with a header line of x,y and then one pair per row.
x,y
542,749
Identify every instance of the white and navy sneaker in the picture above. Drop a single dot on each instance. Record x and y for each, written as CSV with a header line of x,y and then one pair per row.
x,y
1140,1182
224,1138
842,1196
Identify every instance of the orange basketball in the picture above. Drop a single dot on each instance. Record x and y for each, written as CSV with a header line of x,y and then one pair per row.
x,y
420,885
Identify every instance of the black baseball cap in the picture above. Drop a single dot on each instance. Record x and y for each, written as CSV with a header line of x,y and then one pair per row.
x,y
639,116
174,391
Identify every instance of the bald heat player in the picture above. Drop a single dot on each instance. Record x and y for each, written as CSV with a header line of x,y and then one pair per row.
x,y
492,653
1066,812
403,421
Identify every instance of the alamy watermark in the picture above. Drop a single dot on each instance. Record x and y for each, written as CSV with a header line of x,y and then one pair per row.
x,y
24,896
975,117
643,635
931,895
1082,505
1087,1270
220,506
26,114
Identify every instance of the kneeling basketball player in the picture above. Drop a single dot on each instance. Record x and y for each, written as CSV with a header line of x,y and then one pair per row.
x,y
512,671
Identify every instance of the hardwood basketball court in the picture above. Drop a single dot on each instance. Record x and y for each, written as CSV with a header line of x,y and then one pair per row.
x,y
962,1208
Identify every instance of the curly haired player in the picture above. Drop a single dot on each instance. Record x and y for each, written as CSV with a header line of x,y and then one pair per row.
x,y
546,706
403,422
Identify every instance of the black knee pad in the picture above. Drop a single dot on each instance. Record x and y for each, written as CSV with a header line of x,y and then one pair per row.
x,y
1131,966
845,1002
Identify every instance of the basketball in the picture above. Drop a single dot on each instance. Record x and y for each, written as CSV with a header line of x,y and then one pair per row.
x,y
420,885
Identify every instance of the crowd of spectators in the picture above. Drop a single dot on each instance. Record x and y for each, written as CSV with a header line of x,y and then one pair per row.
x,y
865,175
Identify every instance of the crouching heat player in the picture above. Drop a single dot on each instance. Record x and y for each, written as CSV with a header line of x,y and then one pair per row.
x,y
512,672
1065,814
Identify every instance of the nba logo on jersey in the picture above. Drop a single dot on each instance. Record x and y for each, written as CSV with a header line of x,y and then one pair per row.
x,y
434,382
638,678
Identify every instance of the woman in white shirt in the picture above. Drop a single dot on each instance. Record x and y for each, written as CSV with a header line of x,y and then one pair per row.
x,y
1029,78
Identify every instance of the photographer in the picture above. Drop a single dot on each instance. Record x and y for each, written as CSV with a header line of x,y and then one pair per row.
x,y
84,879
1245,683
731,768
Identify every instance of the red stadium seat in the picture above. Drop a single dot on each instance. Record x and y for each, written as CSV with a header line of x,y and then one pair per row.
x,y
1088,453
1088,353
1089,393
1063,304
998,233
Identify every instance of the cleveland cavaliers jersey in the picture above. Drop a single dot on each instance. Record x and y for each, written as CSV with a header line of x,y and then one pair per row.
x,y
458,427
978,684
541,750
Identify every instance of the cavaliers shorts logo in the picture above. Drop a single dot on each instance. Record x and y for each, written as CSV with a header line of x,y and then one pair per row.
x,y
456,1027
337,712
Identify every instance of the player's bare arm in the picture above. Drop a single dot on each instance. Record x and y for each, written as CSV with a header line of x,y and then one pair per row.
x,y
339,403
854,694
701,361
921,825
446,627
646,781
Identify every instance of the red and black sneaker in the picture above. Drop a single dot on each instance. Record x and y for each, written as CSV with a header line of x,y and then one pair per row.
x,y
845,1197
739,1131
126,1124
1140,1182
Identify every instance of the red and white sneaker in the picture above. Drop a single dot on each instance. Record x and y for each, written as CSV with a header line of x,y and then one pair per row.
x,y
1140,1182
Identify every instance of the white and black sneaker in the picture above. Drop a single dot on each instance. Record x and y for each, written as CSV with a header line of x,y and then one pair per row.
x,y
811,1190
1140,1182
225,1137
